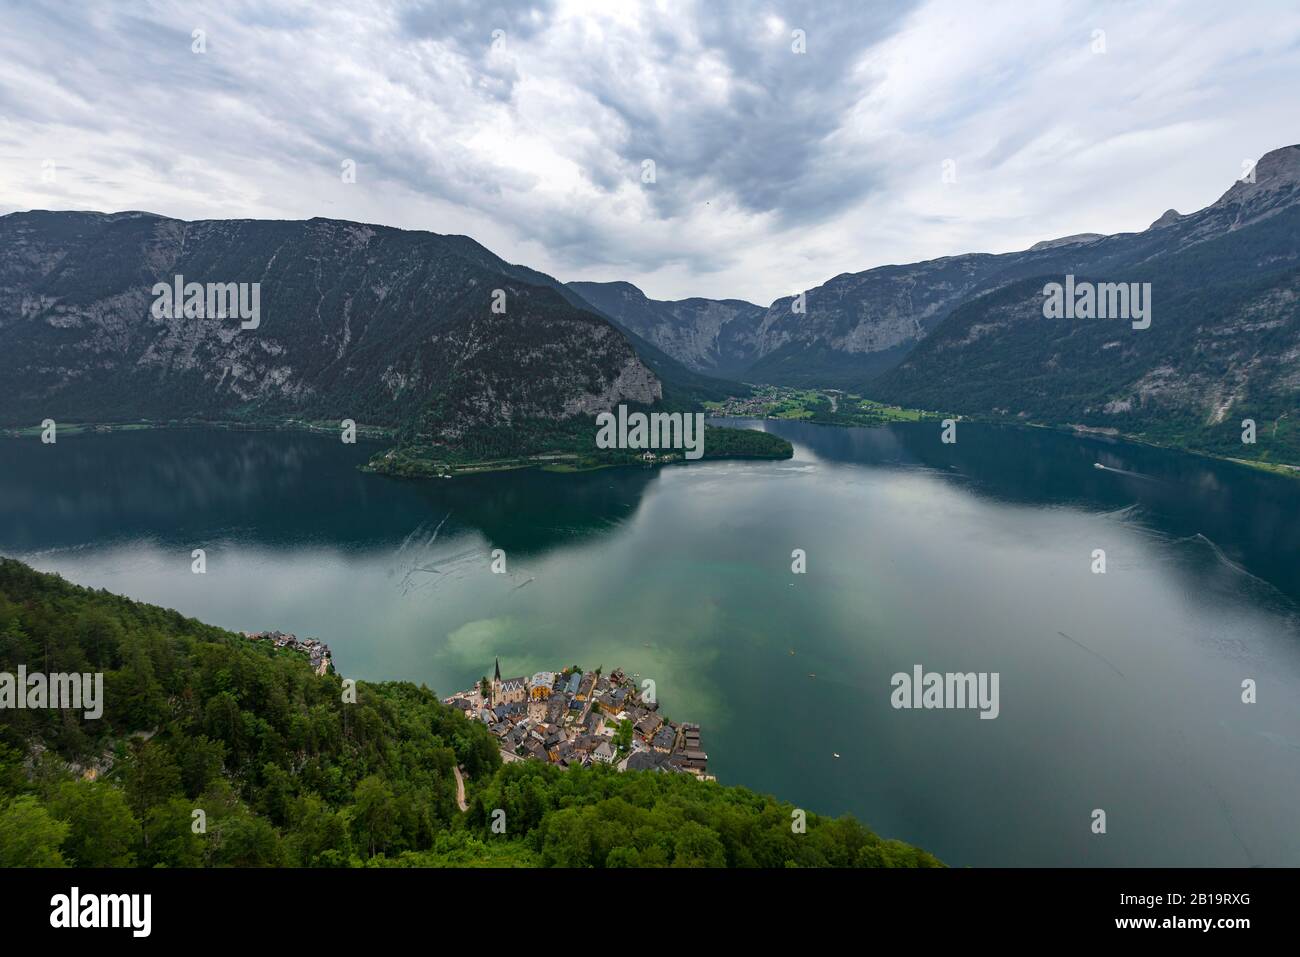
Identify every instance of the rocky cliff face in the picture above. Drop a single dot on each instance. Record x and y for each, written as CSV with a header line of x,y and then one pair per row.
x,y
716,336
850,329
380,325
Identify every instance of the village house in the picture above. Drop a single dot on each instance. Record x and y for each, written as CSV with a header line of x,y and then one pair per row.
x,y
665,740
642,761
612,702
649,725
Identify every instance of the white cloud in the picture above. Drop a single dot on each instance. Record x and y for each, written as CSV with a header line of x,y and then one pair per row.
x,y
775,171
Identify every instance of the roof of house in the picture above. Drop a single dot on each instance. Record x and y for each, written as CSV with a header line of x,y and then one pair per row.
x,y
644,761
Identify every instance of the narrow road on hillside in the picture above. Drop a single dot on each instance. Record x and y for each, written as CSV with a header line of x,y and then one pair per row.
x,y
460,790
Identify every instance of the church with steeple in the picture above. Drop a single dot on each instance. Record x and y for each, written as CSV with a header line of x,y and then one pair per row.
x,y
507,691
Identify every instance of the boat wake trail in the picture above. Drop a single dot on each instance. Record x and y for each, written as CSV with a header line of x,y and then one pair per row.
x,y
1136,475
417,557
1221,559
1129,513
1101,658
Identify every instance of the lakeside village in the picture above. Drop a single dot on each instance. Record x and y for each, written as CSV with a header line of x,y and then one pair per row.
x,y
575,718
317,652
569,718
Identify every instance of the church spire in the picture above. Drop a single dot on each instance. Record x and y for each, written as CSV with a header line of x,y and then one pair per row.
x,y
497,675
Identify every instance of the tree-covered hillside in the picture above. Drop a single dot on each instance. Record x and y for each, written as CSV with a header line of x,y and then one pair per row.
x,y
286,773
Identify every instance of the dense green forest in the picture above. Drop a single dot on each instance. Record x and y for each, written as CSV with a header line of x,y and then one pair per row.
x,y
286,773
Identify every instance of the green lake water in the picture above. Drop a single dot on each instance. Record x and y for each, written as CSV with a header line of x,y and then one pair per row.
x,y
1119,691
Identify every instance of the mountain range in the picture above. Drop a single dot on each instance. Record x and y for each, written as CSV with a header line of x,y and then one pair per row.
x,y
967,333
1223,345
439,339
857,326
430,335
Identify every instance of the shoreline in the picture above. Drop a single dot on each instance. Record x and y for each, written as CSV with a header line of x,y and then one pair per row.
x,y
1284,469
429,462
514,465
1276,468
320,427
778,402
380,433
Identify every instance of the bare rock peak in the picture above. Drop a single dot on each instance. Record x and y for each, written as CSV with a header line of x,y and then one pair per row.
x,y
1067,241
1276,177
1279,164
1168,218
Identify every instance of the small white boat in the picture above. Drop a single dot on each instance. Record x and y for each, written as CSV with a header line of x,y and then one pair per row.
x,y
1098,465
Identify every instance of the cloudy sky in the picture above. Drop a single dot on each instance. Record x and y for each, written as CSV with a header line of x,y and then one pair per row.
x,y
528,125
